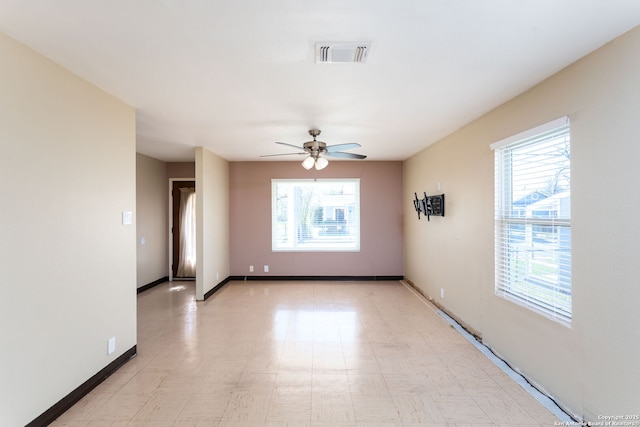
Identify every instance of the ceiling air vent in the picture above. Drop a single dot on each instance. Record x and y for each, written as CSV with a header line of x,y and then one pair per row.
x,y
342,52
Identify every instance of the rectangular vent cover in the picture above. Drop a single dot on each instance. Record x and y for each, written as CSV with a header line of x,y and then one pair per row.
x,y
342,52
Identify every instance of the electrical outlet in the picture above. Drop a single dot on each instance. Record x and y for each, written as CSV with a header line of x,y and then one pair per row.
x,y
251,269
266,268
442,293
111,345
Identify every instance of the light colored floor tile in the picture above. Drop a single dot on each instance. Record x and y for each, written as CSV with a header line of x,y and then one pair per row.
x,y
95,423
328,349
366,365
108,423
328,364
461,410
167,360
290,407
389,350
444,383
337,382
378,424
145,382
177,382
293,383
288,424
162,406
367,384
359,349
120,407
503,410
115,382
301,354
205,407
194,423
224,373
297,348
417,409
265,363
541,414
332,407
334,424
151,423
256,383
85,407
375,409
293,362
247,407
407,384
395,365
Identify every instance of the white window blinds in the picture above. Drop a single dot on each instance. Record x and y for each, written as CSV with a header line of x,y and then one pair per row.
x,y
533,220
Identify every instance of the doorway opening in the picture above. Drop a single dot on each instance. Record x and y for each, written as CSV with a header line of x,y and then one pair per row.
x,y
182,229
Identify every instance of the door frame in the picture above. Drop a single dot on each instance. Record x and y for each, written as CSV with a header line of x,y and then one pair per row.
x,y
170,228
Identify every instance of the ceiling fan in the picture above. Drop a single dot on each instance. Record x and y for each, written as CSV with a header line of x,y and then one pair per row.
x,y
318,149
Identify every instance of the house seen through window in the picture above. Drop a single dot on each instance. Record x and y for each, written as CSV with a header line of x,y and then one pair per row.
x,y
315,215
533,220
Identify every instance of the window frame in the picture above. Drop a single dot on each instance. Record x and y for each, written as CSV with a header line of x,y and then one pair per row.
x,y
530,286
313,245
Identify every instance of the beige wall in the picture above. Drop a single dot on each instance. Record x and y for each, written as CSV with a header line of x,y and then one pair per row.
x,y
212,221
380,217
68,264
592,368
152,211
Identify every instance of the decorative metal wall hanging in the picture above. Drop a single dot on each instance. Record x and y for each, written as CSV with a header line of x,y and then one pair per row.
x,y
429,205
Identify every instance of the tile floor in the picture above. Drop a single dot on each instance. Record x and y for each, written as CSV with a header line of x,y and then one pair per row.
x,y
302,354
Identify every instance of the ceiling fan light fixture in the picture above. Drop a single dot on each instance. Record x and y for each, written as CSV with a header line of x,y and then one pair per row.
x,y
308,163
321,163
316,150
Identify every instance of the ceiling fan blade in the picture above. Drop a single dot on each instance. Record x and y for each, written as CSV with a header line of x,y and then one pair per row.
x,y
340,147
282,154
345,155
290,145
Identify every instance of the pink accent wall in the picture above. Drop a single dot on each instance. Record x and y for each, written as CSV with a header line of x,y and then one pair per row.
x,y
181,170
381,221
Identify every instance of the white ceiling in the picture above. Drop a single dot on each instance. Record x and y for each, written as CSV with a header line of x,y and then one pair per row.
x,y
235,76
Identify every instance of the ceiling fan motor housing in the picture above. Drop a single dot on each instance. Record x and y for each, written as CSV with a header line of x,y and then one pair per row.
x,y
315,148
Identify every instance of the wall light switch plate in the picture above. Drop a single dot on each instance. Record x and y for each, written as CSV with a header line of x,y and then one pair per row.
x,y
127,217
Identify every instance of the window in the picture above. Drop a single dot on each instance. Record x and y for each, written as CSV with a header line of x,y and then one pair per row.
x,y
533,220
315,215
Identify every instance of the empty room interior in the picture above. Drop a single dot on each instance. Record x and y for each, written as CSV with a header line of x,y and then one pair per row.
x,y
319,213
